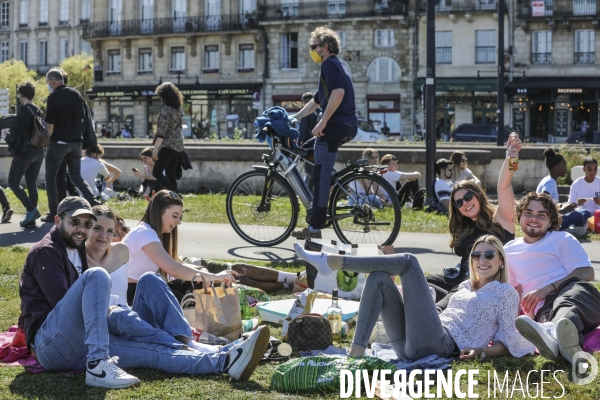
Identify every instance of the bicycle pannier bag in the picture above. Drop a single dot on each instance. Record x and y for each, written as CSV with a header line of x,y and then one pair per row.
x,y
39,136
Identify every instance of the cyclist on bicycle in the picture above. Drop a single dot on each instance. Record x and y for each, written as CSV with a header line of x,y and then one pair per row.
x,y
338,125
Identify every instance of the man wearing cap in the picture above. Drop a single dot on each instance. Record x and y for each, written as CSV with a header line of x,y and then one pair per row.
x,y
64,303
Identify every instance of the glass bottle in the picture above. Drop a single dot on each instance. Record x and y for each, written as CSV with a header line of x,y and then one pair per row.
x,y
334,315
513,155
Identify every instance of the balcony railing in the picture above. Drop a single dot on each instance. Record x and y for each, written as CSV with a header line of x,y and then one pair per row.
x,y
559,8
463,5
163,26
541,58
443,55
584,58
485,54
333,9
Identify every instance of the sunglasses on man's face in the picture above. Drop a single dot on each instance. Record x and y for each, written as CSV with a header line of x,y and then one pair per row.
x,y
75,222
488,254
315,46
465,199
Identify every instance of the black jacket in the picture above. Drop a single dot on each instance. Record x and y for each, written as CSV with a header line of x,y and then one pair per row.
x,y
19,135
47,276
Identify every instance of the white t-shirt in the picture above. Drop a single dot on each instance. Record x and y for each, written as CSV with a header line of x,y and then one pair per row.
x,y
548,260
442,189
90,168
581,189
119,283
75,259
139,262
548,184
466,175
392,177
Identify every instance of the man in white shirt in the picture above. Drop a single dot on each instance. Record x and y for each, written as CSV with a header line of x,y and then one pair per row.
x,y
551,271
393,176
92,167
442,186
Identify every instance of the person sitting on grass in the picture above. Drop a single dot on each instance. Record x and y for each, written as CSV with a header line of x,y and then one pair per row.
x,y
482,310
68,324
585,191
577,219
393,176
552,272
149,182
443,184
460,170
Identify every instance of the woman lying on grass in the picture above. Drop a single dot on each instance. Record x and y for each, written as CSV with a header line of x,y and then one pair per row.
x,y
484,308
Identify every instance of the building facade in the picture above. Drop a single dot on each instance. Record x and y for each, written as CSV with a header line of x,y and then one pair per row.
x,y
42,33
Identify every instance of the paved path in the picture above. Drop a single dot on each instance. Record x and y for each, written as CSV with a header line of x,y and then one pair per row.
x,y
220,241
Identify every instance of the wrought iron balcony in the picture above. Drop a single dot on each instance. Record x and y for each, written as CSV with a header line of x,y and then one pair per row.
x,y
443,55
333,9
485,54
165,26
530,9
541,58
584,58
451,6
40,69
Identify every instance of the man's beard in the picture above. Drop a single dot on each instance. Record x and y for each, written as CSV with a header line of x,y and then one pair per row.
x,y
534,232
69,238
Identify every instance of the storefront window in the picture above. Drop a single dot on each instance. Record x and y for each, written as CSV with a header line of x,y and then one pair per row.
x,y
485,112
120,115
384,113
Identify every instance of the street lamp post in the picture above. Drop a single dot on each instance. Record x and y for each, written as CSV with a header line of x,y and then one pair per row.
x,y
430,104
500,128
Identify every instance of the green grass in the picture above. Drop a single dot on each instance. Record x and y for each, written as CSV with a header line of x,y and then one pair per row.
x,y
16,383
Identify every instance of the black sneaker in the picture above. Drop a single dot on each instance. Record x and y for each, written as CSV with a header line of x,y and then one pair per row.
x,y
48,218
6,214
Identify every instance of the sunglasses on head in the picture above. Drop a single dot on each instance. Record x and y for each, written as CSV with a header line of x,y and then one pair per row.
x,y
124,230
488,254
75,222
465,199
315,46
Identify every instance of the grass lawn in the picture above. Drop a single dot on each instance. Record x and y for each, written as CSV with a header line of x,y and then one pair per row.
x,y
16,383
210,208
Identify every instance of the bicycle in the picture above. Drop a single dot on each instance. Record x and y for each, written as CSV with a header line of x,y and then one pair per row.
x,y
262,204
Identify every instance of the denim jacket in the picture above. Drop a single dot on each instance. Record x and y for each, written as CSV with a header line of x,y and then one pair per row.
x,y
47,276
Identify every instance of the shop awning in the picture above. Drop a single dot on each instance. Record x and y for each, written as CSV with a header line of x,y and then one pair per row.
x,y
186,90
555,82
460,84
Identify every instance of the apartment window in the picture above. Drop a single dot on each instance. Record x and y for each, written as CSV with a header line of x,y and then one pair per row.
x,y
4,15
541,51
177,59
145,61
384,37
336,7
443,47
43,12
64,48
179,15
485,47
247,6
246,63
342,36
289,8
86,47
64,12
114,62
584,47
211,58
383,69
289,51
23,52
43,58
23,13
3,51
86,9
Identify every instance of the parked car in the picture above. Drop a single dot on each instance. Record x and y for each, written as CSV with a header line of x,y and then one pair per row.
x,y
581,137
485,133
367,133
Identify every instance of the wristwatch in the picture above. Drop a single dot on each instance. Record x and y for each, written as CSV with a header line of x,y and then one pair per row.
x,y
482,355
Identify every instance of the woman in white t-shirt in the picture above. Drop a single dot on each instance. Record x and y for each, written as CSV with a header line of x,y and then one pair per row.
x,y
460,170
585,191
153,246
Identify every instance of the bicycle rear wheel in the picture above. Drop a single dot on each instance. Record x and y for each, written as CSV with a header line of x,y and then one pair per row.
x,y
364,208
261,214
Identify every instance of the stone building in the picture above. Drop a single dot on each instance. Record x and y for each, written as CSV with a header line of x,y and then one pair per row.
x,y
42,33
558,91
212,50
376,50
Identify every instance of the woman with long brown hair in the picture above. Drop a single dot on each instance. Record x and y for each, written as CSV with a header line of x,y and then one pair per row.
x,y
153,246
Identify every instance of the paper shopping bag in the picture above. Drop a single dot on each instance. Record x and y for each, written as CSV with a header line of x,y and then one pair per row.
x,y
218,311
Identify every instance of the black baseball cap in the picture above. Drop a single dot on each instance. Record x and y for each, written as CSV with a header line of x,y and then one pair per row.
x,y
73,206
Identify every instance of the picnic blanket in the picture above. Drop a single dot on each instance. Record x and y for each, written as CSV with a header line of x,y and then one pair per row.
x,y
14,352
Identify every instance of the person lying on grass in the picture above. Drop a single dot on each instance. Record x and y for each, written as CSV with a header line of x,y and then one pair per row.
x,y
482,310
68,324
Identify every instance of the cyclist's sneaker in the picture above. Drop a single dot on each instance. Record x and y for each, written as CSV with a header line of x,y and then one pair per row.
x,y
305,234
106,374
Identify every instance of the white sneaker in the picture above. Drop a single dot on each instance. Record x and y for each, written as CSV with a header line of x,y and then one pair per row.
x,y
541,335
243,359
568,339
107,375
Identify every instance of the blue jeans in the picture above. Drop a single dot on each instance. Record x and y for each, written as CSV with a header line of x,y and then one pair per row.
x,y
577,218
145,340
407,318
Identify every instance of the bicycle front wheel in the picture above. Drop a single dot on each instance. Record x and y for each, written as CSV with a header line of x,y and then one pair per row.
x,y
262,210
364,208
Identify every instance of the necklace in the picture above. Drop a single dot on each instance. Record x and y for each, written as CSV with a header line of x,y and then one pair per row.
x,y
100,257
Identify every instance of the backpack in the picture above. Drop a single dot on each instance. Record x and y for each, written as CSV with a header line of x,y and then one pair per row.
x,y
39,136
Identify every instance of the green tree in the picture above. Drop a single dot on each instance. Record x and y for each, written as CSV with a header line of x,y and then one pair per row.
x,y
13,73
81,73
